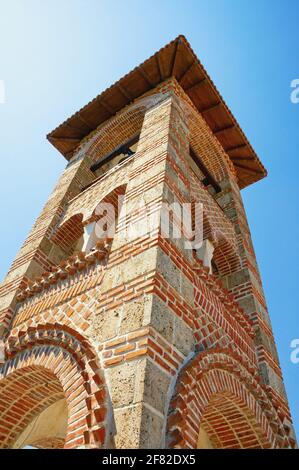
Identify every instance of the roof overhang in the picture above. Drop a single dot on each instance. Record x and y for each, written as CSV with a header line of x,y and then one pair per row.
x,y
178,60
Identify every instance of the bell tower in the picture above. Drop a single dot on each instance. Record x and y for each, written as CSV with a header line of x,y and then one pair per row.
x,y
134,315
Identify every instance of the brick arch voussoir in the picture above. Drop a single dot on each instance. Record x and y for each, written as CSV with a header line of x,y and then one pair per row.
x,y
209,335
132,117
26,390
226,256
88,384
108,196
199,140
215,372
68,230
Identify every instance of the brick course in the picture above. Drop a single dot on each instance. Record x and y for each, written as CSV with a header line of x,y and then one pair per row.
x,y
144,343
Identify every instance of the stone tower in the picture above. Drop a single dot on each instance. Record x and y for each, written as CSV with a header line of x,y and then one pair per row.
x,y
129,338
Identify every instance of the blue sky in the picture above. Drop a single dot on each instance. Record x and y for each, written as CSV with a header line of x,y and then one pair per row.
x,y
56,55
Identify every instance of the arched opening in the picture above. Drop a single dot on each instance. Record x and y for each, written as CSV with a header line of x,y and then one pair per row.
x,y
50,397
218,403
35,409
67,237
227,424
81,233
113,159
106,213
47,430
123,127
219,250
101,221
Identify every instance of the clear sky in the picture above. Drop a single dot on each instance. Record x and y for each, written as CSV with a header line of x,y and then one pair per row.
x,y
56,55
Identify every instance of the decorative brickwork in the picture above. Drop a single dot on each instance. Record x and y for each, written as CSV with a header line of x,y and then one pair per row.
x,y
216,391
142,344
48,365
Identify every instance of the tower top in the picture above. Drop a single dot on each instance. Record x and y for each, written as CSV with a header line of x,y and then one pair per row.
x,y
178,60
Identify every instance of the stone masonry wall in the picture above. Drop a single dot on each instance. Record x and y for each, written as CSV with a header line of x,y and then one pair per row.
x,y
143,342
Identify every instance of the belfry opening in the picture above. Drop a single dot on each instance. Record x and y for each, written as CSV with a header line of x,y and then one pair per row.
x,y
128,338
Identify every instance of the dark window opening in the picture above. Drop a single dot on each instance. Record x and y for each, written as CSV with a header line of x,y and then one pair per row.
x,y
119,154
209,179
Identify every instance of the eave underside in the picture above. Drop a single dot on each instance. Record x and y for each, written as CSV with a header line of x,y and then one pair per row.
x,y
178,60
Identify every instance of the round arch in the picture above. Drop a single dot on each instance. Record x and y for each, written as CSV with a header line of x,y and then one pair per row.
x,y
36,376
220,403
69,232
125,124
113,196
216,228
26,392
71,228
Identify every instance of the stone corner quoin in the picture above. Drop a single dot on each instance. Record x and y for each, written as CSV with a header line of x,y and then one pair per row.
x,y
134,340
